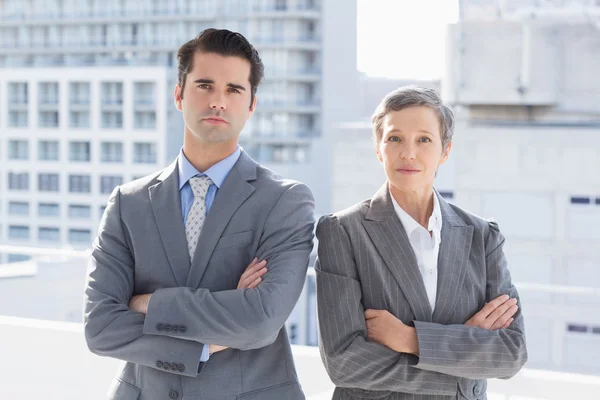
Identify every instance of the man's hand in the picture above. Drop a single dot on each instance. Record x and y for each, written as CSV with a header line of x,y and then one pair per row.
x,y
139,303
252,276
386,329
250,279
215,348
497,314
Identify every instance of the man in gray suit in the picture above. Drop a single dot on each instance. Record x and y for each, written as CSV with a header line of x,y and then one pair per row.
x,y
175,287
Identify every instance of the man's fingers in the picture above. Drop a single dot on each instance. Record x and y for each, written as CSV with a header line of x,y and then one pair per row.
x,y
255,283
249,281
256,275
253,267
507,325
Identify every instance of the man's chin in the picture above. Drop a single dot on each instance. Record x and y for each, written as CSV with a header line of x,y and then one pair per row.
x,y
216,137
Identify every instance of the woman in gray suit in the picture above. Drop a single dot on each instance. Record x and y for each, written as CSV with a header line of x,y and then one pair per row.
x,y
414,295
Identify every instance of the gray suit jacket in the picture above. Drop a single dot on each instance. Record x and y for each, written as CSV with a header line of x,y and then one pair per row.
x,y
141,248
365,261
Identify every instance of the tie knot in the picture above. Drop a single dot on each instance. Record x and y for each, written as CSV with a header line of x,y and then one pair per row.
x,y
200,185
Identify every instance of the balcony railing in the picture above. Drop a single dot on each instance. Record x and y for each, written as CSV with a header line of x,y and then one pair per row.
x,y
65,369
28,337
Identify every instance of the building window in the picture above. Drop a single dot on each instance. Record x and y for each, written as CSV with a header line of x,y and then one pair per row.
x,y
80,236
112,120
112,93
15,258
48,150
293,335
80,211
79,151
49,210
48,119
101,210
145,120
18,150
17,119
109,182
111,152
79,93
280,5
18,181
48,183
79,119
18,208
580,200
49,234
48,93
144,153
577,328
18,232
80,184
17,93
448,195
144,93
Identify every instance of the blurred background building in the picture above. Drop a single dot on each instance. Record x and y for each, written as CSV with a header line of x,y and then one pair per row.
x,y
86,99
86,104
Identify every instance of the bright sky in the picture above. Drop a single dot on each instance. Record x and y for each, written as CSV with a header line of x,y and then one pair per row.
x,y
404,39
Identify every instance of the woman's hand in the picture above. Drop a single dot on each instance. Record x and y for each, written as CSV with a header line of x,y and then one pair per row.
x,y
497,314
386,329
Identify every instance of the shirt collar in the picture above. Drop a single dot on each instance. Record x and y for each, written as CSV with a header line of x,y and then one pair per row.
x,y
217,173
409,223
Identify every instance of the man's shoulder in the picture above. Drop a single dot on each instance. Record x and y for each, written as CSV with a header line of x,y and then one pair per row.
x,y
271,182
140,185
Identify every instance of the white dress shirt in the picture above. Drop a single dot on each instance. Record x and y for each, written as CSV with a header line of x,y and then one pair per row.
x,y
425,245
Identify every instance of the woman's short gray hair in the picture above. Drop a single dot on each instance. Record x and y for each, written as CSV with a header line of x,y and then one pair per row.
x,y
412,96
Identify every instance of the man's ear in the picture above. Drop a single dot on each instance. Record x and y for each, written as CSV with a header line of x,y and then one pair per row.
x,y
177,97
252,107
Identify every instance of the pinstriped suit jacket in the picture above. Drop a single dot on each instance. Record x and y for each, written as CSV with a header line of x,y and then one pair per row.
x,y
365,261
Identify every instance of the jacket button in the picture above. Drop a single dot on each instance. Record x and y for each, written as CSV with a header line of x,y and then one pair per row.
x,y
166,365
182,329
159,327
173,394
476,390
173,367
159,364
167,327
180,367
175,328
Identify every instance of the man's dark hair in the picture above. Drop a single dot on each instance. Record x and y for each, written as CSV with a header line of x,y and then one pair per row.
x,y
225,43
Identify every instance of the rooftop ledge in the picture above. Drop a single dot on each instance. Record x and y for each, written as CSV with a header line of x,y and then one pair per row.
x,y
48,359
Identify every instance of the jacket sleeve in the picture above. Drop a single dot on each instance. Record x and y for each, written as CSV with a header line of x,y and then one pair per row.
x,y
111,328
249,318
472,352
350,359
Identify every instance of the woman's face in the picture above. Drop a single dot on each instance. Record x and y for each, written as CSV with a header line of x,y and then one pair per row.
x,y
411,148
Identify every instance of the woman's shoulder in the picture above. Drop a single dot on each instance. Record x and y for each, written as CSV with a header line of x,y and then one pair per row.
x,y
352,213
478,222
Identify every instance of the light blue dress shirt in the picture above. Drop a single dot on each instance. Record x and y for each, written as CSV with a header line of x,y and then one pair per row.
x,y
217,173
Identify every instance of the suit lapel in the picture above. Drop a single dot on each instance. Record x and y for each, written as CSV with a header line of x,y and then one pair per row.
x,y
455,248
166,206
231,195
389,236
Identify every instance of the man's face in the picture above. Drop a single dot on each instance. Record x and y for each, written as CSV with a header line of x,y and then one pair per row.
x,y
216,98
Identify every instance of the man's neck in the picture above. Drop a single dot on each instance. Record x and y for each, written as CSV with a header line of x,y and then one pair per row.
x,y
204,155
